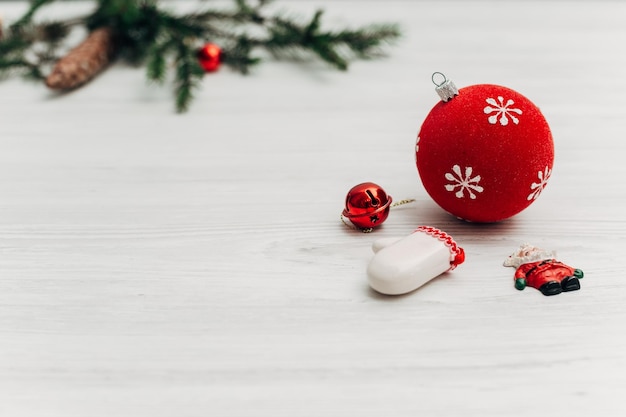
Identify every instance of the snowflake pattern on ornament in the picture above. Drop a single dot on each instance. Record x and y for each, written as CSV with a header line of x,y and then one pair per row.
x,y
462,183
537,187
417,144
501,110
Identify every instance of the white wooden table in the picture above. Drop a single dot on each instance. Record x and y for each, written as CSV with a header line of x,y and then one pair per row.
x,y
154,264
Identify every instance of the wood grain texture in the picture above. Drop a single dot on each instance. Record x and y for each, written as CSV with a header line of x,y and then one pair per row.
x,y
153,264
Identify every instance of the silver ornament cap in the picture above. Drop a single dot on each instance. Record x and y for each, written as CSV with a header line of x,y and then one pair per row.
x,y
446,88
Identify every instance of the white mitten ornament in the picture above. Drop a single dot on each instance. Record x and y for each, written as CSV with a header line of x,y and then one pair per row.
x,y
402,265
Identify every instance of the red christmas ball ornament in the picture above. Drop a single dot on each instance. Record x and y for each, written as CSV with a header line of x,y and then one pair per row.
x,y
367,205
210,57
484,153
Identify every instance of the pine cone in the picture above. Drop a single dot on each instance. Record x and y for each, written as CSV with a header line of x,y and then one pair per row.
x,y
83,62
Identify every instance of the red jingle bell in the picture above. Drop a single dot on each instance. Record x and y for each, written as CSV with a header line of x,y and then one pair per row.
x,y
367,205
210,57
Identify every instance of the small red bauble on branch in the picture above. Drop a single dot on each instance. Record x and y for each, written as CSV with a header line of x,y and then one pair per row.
x,y
210,57
484,153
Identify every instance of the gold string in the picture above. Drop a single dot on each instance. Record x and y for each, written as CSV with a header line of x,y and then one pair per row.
x,y
353,227
401,202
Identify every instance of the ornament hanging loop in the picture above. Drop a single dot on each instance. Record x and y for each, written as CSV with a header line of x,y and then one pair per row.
x,y
446,89
435,82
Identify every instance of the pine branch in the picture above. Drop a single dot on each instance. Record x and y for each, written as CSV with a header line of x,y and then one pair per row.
x,y
13,44
135,25
239,56
10,64
190,25
364,42
187,78
28,16
248,13
286,35
53,32
143,33
13,49
156,66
